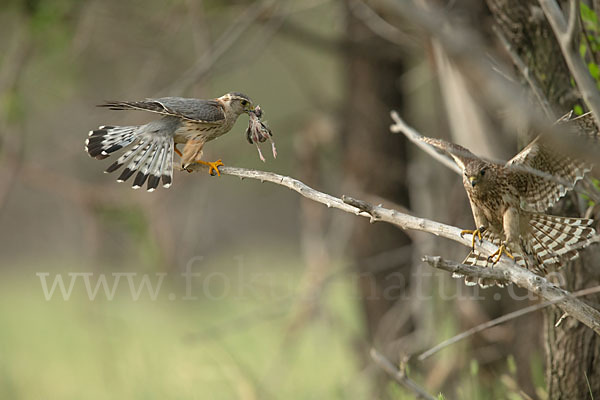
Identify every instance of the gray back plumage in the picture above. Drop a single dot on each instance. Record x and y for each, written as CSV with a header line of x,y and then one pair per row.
x,y
194,109
197,110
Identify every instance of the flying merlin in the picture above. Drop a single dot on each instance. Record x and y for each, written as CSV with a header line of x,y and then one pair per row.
x,y
192,122
508,202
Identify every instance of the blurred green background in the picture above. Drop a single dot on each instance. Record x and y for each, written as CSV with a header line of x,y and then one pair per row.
x,y
60,214
277,308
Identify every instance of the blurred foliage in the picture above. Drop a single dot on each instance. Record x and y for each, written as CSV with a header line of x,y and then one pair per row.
x,y
588,46
12,106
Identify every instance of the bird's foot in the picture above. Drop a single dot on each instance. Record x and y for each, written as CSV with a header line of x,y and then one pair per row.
x,y
476,234
502,249
212,166
177,151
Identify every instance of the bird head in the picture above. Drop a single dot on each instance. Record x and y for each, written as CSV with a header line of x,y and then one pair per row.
x,y
477,174
238,102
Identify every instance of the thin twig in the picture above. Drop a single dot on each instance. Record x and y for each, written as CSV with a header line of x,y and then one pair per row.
x,y
504,269
399,376
572,24
526,279
415,137
380,26
498,321
466,48
400,126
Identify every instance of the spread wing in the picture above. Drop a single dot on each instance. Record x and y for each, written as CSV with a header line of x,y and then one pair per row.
x,y
542,175
459,154
195,110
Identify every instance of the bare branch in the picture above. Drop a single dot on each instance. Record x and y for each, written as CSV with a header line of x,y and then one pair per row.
x,y
503,270
399,376
375,213
572,24
400,126
466,49
498,321
415,137
564,34
380,26
528,280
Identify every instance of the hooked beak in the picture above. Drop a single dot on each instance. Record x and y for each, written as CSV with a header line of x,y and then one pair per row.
x,y
473,181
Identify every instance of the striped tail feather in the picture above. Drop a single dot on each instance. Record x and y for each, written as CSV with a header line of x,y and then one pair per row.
x,y
108,139
154,165
151,156
551,242
556,240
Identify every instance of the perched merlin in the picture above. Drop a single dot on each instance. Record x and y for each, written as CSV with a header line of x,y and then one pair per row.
x,y
509,200
192,122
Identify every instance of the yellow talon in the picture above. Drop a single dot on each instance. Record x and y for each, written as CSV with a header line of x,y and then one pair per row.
x,y
212,166
498,254
177,151
476,234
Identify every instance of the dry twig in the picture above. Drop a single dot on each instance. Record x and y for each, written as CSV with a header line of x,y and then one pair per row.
x,y
466,48
498,321
504,270
399,376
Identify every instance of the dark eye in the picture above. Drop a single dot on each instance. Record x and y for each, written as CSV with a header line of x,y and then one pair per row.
x,y
244,103
482,172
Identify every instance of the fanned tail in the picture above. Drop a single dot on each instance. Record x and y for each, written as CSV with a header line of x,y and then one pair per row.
x,y
553,241
108,139
150,155
556,240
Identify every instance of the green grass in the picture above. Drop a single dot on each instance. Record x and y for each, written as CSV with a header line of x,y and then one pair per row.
x,y
234,347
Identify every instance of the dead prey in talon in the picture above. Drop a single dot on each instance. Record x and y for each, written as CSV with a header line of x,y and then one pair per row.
x,y
149,148
258,132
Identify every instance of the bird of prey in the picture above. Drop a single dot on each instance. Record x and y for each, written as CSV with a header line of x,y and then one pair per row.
x,y
508,202
192,122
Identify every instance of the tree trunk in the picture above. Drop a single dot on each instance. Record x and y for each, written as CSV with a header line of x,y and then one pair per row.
x,y
375,163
